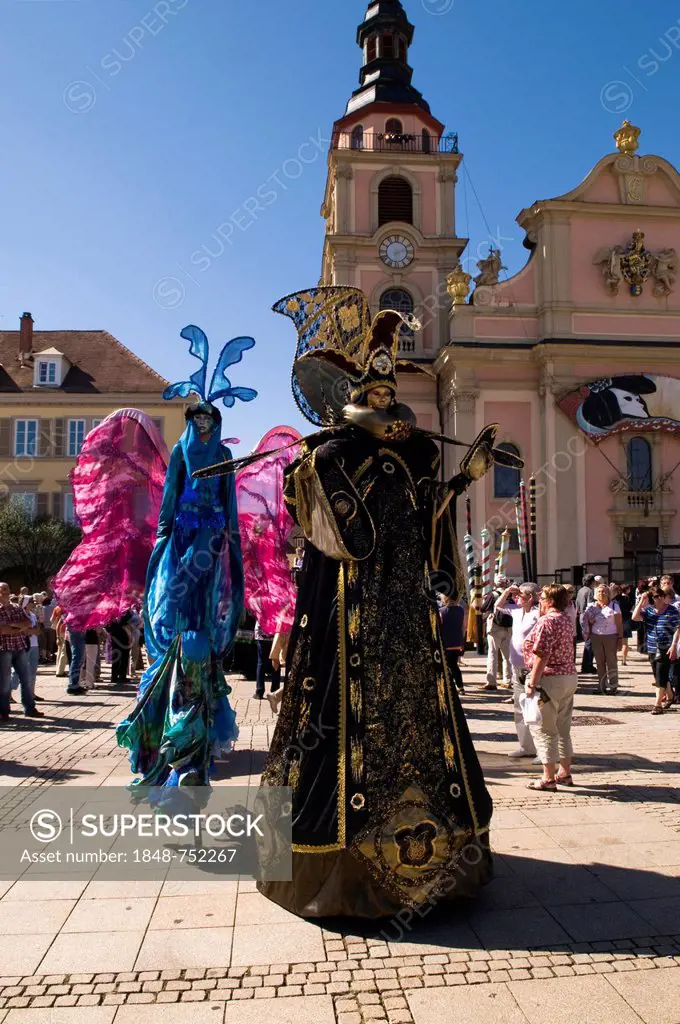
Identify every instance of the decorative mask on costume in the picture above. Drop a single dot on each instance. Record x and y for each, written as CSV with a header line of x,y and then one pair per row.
x,y
204,416
341,355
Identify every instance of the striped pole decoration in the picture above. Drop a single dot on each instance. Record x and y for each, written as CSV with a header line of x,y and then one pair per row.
x,y
469,548
487,582
503,552
525,527
533,525
477,605
522,539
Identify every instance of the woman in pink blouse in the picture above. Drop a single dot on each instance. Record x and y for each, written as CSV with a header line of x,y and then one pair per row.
x,y
549,650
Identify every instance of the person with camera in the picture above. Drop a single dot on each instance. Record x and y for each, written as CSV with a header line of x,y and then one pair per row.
x,y
662,628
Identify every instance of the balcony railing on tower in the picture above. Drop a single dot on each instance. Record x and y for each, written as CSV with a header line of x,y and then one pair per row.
x,y
395,142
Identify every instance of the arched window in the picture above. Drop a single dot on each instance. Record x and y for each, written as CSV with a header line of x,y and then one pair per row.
x,y
358,136
399,299
393,126
395,200
639,459
426,140
505,479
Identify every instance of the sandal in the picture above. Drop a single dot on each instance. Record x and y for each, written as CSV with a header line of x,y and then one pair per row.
x,y
542,786
564,780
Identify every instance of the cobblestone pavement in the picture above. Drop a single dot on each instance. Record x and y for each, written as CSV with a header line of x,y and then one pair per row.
x,y
581,922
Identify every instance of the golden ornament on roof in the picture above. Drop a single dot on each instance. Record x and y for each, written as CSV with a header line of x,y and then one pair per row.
x,y
627,138
458,285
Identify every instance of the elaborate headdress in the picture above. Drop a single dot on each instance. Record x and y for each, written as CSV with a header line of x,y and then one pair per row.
x,y
220,385
340,354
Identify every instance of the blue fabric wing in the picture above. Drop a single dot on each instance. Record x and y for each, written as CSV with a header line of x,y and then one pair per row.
x,y
198,347
220,386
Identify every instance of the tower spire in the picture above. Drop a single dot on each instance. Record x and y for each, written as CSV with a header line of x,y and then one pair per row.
x,y
384,37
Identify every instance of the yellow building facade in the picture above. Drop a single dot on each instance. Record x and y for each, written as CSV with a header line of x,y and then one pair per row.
x,y
55,386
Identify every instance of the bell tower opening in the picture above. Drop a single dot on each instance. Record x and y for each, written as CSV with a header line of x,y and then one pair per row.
x,y
395,201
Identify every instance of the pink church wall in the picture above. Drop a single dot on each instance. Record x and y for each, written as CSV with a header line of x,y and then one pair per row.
x,y
626,326
427,183
660,192
362,201
521,287
522,328
518,372
515,420
605,189
601,537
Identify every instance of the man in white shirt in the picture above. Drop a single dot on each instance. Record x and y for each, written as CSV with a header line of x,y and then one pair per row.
x,y
524,617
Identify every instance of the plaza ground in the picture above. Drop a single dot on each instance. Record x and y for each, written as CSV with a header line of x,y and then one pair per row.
x,y
581,923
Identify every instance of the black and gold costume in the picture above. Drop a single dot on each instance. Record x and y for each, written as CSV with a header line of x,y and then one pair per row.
x,y
389,803
389,806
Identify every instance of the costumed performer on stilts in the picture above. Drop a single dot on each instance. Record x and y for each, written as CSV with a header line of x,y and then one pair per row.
x,y
194,595
389,805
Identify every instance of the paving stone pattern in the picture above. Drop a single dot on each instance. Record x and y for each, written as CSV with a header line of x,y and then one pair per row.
x,y
586,894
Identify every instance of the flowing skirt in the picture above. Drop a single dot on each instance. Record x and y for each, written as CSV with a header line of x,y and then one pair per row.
x,y
182,720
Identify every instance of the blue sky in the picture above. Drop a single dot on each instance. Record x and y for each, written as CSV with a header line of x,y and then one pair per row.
x,y
133,129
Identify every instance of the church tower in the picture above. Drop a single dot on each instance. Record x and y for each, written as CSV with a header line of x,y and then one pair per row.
x,y
389,202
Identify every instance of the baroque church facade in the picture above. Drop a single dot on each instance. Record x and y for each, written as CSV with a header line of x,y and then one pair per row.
x,y
576,356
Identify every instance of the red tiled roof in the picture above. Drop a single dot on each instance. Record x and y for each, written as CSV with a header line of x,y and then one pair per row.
x,y
99,363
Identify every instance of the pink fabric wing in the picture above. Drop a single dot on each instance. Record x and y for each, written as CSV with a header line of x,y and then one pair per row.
x,y
117,491
265,526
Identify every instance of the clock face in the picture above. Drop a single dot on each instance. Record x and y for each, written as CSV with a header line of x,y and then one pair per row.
x,y
397,251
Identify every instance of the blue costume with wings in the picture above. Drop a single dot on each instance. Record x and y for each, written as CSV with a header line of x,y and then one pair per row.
x,y
194,595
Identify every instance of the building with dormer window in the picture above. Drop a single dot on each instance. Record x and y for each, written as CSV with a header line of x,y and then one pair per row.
x,y
54,387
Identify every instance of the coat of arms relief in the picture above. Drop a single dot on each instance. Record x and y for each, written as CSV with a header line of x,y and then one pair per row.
x,y
634,265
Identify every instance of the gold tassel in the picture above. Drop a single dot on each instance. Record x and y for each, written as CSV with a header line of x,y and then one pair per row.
x,y
294,774
441,694
356,699
357,760
449,753
353,623
303,718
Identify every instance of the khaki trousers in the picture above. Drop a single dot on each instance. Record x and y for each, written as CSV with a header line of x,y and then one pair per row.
x,y
553,736
604,649
498,639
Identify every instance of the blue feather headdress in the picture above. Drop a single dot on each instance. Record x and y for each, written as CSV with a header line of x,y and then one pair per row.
x,y
220,385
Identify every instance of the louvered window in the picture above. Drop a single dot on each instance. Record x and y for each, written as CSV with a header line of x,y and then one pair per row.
x,y
395,201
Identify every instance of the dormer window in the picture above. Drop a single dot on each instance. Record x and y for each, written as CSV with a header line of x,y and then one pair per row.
x,y
47,372
49,368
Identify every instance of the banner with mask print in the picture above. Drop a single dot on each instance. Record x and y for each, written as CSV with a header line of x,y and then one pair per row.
x,y
628,403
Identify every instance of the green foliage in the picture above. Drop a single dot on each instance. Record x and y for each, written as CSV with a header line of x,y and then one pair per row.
x,y
33,550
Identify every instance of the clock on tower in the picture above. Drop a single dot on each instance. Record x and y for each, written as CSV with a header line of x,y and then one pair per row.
x,y
396,251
